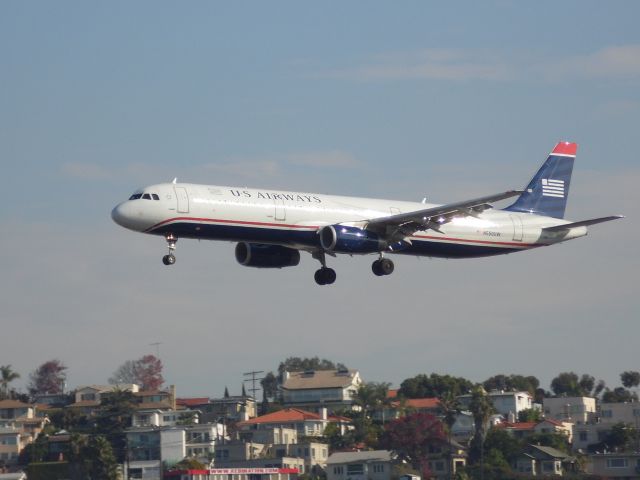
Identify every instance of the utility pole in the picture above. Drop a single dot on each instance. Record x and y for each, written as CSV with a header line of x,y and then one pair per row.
x,y
253,379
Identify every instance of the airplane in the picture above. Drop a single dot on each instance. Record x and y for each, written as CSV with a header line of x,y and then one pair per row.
x,y
271,227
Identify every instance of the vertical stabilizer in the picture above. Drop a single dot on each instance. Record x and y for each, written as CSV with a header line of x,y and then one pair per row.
x,y
547,192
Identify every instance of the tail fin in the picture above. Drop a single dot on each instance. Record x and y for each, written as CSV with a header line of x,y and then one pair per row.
x,y
547,192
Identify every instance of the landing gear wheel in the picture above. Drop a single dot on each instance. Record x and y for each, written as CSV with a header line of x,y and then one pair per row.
x,y
375,268
382,267
171,243
169,259
325,276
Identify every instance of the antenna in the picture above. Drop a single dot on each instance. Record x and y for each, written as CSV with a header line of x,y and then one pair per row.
x,y
253,380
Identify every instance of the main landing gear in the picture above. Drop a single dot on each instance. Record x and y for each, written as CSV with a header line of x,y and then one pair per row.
x,y
325,275
170,259
382,266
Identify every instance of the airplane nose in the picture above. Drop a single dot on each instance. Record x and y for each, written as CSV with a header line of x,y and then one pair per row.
x,y
125,215
117,215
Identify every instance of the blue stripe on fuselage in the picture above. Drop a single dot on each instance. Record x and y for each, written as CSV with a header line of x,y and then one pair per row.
x,y
235,233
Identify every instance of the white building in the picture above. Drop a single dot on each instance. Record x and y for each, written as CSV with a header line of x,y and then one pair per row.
x,y
367,465
579,410
320,388
507,404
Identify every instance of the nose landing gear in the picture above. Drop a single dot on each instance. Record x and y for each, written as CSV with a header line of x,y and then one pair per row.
x,y
170,259
382,266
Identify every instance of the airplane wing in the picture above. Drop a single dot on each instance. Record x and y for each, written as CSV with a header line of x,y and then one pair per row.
x,y
401,225
583,223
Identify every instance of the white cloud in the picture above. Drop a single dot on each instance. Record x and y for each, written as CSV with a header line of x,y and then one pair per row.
x,y
434,64
614,62
330,159
621,62
85,171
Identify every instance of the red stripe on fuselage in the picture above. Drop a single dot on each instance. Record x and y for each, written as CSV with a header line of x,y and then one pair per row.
x,y
236,222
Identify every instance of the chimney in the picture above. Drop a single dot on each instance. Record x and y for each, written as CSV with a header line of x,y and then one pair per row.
x,y
172,396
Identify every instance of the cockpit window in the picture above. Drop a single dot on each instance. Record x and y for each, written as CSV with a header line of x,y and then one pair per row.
x,y
135,196
155,196
146,196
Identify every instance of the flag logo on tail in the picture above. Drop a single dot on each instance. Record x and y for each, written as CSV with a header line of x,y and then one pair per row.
x,y
552,188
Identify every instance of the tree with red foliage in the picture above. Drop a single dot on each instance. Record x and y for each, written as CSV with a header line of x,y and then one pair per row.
x,y
48,378
146,372
410,437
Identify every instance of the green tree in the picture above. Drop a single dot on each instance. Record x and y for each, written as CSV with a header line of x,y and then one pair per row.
x,y
189,464
434,385
629,378
298,364
7,375
530,415
114,417
500,440
270,385
92,458
481,409
621,437
619,395
512,383
370,396
555,440
570,385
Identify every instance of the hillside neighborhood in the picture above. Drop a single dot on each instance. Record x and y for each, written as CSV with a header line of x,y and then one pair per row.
x,y
318,420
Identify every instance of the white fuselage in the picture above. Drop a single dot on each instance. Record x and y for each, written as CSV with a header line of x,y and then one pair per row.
x,y
293,219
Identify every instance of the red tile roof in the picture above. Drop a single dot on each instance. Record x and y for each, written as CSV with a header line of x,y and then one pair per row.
x,y
431,403
288,415
392,393
192,402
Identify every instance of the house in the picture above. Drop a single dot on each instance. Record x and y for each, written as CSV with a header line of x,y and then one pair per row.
x,y
164,418
149,447
365,465
579,410
555,426
306,424
315,389
87,398
627,412
507,404
225,410
614,465
19,426
445,458
544,461
398,406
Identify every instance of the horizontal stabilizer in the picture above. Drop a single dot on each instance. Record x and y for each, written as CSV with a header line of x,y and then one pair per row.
x,y
583,223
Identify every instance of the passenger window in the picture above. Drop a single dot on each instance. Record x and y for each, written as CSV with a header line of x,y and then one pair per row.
x,y
155,196
146,196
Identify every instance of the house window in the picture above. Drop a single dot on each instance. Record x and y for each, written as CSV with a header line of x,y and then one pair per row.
x,y
355,469
584,436
617,463
439,466
378,468
607,413
87,397
548,466
338,470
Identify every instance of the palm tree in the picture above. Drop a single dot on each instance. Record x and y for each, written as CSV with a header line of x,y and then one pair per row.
x,y
450,408
481,408
6,376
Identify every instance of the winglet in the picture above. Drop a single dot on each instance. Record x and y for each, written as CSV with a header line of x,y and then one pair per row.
x,y
565,148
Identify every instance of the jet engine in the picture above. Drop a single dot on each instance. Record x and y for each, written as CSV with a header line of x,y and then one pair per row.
x,y
345,239
266,256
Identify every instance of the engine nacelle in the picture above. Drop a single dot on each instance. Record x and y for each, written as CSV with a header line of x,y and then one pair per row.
x,y
266,256
344,239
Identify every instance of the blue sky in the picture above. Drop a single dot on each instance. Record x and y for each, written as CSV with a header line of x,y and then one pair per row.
x,y
394,100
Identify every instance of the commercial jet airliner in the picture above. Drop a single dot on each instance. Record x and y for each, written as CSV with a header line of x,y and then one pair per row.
x,y
272,226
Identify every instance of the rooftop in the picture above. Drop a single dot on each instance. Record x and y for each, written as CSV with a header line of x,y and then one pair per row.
x,y
319,379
